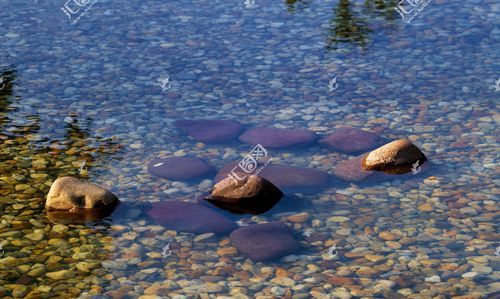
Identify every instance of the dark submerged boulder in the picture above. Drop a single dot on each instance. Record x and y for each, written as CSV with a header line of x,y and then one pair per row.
x,y
190,217
261,242
278,138
210,131
180,168
352,140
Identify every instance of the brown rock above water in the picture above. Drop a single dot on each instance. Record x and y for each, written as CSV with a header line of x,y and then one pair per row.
x,y
252,194
71,194
399,156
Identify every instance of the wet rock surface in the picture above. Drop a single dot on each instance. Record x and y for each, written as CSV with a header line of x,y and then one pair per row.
x,y
261,242
398,156
70,194
252,194
352,140
210,131
264,66
180,168
278,138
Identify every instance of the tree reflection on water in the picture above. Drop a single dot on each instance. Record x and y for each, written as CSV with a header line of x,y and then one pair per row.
x,y
31,157
352,21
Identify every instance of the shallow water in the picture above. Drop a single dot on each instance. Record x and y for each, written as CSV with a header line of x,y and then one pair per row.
x,y
92,91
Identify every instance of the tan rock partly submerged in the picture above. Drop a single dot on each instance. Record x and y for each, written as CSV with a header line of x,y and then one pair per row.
x,y
71,194
399,156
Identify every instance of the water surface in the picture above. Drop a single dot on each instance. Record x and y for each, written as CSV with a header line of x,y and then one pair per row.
x,y
92,92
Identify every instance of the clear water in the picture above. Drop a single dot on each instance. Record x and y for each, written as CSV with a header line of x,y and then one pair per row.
x,y
92,91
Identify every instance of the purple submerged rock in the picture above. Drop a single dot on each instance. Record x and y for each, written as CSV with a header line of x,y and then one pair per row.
x,y
190,217
351,170
287,178
210,131
278,138
180,168
261,242
351,140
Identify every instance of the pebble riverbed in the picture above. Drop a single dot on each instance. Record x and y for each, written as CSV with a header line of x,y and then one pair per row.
x,y
92,92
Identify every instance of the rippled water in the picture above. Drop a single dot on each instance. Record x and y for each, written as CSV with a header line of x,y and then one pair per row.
x,y
92,91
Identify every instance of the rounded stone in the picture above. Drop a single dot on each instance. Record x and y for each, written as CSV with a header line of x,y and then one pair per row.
x,y
180,168
210,131
395,157
278,138
266,241
352,140
252,194
190,217
286,178
69,193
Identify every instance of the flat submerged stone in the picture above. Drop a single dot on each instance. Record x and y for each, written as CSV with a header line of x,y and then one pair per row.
x,y
210,131
180,168
190,217
278,138
261,242
286,178
352,140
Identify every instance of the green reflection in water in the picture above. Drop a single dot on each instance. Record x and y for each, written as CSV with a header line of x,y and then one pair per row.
x,y
351,23
294,6
32,246
346,26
